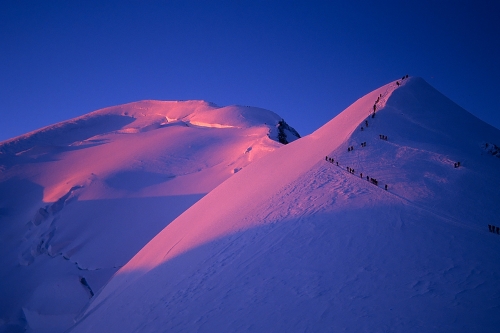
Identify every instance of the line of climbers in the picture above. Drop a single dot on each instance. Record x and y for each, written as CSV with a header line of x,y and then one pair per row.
x,y
380,96
374,108
384,137
404,77
351,148
372,180
331,160
492,228
363,144
366,124
352,171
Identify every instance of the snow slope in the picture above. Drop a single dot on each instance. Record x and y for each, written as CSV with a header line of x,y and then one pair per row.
x,y
78,199
295,243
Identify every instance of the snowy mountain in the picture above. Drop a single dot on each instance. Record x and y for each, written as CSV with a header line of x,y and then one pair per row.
x,y
78,199
296,242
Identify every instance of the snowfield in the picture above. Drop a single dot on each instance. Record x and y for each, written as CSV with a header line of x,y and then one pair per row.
x,y
80,198
295,243
185,217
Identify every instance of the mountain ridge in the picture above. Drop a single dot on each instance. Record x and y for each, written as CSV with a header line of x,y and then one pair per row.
x,y
79,198
302,243
156,113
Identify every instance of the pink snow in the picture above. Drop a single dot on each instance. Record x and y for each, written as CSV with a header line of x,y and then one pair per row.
x,y
210,220
296,243
96,188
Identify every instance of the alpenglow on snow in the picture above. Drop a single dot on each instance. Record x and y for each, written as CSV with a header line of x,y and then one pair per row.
x,y
80,198
296,242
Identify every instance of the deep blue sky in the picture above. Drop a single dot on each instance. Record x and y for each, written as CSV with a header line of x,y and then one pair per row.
x,y
305,60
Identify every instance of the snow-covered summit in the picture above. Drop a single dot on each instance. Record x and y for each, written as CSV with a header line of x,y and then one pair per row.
x,y
79,198
145,116
308,238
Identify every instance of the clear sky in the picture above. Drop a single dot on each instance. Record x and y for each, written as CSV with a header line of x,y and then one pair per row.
x,y
305,60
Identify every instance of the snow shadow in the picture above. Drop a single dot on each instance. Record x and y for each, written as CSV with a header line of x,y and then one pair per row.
x,y
19,199
106,233
136,180
87,240
43,154
15,195
346,271
66,133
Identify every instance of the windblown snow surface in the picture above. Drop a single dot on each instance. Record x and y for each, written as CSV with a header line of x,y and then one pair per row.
x,y
295,243
78,199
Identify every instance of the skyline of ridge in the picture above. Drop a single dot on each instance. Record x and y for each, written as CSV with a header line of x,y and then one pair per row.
x,y
306,61
295,242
